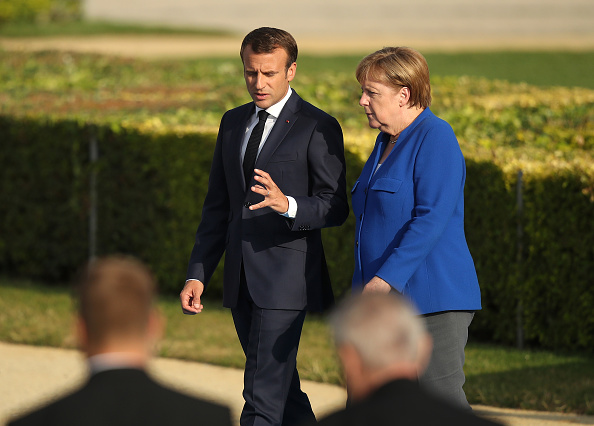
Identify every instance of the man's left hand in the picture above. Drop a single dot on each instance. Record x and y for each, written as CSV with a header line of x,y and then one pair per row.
x,y
273,196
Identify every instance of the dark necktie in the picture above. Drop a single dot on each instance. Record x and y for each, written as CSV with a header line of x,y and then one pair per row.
x,y
251,151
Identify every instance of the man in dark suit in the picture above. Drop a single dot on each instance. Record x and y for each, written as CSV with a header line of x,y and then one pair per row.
x,y
383,347
117,327
268,220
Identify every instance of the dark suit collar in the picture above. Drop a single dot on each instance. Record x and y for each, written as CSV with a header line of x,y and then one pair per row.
x,y
285,121
120,373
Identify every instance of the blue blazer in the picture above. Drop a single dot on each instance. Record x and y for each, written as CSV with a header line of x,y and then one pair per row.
x,y
283,259
410,219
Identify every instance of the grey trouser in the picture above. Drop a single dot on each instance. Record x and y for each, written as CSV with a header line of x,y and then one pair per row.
x,y
445,375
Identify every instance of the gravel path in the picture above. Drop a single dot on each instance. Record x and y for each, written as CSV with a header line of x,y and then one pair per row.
x,y
30,376
339,26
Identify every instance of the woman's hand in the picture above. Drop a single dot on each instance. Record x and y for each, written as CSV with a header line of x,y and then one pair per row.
x,y
377,285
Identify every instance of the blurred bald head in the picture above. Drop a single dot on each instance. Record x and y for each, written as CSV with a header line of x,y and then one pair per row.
x,y
379,337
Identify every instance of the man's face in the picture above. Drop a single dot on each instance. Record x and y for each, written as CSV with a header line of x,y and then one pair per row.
x,y
266,75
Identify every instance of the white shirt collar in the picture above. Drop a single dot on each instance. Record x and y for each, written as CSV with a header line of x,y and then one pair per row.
x,y
112,361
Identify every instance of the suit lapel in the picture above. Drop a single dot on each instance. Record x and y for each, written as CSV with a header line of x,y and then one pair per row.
x,y
237,136
284,123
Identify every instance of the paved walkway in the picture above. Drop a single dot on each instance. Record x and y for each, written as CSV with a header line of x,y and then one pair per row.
x,y
30,376
394,21
338,26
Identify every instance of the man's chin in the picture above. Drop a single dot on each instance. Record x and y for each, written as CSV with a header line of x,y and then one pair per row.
x,y
261,102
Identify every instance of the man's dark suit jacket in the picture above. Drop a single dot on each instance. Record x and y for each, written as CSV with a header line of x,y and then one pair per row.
x,y
403,402
126,397
284,261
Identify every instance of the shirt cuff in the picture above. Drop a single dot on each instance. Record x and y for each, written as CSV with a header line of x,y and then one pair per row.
x,y
292,212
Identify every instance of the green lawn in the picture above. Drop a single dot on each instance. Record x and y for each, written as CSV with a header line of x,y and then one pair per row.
x,y
496,376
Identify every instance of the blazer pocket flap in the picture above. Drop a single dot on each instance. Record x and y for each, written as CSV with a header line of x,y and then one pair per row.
x,y
387,185
286,241
280,158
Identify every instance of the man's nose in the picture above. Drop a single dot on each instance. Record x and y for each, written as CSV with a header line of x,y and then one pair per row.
x,y
260,81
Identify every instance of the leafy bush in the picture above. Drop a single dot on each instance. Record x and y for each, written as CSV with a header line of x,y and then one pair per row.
x,y
156,125
39,11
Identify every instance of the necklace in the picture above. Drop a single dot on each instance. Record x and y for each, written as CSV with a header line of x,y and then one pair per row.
x,y
395,139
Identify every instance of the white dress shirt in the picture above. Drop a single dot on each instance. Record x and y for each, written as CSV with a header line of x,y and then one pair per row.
x,y
273,111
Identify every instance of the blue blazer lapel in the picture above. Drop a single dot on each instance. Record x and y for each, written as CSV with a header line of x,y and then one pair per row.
x,y
376,155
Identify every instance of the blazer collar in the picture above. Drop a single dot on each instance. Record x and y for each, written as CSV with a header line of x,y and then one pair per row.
x,y
383,139
285,121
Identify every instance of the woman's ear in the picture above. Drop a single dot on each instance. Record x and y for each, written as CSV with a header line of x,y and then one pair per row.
x,y
404,96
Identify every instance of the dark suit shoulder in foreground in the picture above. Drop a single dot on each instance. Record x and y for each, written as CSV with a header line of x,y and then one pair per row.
x,y
126,397
402,402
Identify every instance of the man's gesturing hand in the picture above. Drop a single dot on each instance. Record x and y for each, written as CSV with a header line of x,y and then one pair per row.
x,y
190,297
273,196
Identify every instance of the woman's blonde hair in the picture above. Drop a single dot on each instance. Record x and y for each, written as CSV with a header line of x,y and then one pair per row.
x,y
398,67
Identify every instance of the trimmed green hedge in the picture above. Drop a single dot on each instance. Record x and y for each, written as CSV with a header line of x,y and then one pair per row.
x,y
39,11
150,189
150,192
155,123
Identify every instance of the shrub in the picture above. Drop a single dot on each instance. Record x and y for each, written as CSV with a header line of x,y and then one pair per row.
x,y
156,128
39,11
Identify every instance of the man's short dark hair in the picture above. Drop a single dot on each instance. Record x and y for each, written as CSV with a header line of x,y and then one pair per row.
x,y
115,297
266,40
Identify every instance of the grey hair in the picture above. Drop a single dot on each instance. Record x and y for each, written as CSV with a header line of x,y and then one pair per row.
x,y
383,328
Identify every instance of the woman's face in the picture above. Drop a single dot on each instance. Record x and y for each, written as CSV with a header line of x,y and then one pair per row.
x,y
383,106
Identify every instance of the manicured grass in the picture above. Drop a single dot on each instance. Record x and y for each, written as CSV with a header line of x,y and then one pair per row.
x,y
496,376
90,28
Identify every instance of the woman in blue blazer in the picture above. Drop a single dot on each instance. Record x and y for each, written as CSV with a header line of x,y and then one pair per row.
x,y
409,206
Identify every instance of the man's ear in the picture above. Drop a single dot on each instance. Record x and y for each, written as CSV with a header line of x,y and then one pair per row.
x,y
291,71
358,380
156,326
348,355
424,354
82,336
